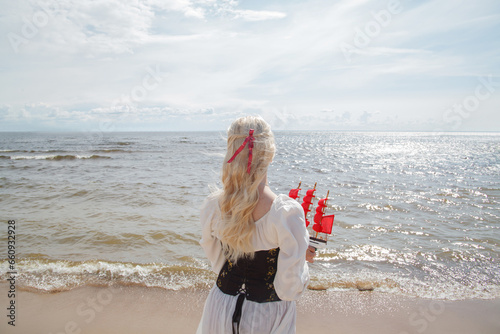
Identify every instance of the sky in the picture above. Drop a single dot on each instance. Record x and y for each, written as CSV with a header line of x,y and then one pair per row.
x,y
182,65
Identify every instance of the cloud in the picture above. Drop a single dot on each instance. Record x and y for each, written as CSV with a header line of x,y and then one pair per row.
x,y
96,28
366,116
254,15
223,58
187,8
225,8
4,112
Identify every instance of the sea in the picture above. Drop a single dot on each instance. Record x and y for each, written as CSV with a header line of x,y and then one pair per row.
x,y
416,214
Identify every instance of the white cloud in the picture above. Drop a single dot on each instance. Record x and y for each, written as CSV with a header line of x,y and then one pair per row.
x,y
254,15
186,7
221,58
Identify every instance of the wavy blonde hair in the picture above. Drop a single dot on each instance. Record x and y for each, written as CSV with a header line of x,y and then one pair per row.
x,y
240,192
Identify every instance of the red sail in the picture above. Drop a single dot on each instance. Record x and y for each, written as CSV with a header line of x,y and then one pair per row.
x,y
307,200
317,228
320,210
327,224
305,206
294,193
306,203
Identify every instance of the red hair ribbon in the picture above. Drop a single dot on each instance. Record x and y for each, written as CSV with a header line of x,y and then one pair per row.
x,y
249,139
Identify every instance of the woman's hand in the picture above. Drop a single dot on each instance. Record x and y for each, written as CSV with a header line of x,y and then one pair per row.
x,y
310,254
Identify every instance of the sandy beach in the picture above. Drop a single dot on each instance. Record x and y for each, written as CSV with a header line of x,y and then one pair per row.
x,y
132,309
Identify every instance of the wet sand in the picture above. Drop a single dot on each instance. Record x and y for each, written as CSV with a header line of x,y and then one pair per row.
x,y
133,309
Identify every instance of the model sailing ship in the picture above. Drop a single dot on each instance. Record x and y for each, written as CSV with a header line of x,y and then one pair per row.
x,y
322,226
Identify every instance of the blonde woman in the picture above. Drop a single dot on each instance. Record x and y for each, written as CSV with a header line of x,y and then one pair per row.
x,y
256,241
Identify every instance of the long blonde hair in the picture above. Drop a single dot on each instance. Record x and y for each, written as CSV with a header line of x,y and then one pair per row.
x,y
240,192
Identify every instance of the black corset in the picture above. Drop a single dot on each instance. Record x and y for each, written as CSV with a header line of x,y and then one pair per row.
x,y
251,277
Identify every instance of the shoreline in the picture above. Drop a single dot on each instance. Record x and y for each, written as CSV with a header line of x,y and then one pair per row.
x,y
133,309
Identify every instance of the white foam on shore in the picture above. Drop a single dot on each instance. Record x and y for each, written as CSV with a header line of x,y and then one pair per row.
x,y
58,275
57,157
64,275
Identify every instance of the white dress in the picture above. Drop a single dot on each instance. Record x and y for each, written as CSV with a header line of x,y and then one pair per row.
x,y
284,227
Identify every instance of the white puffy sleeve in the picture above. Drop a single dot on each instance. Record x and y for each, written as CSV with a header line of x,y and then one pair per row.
x,y
292,276
209,215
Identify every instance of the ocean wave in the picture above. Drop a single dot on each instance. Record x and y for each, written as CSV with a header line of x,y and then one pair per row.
x,y
461,273
32,151
381,208
54,157
42,274
61,275
112,150
465,253
401,284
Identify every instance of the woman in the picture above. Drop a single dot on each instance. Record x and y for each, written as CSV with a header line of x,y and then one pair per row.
x,y
256,241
